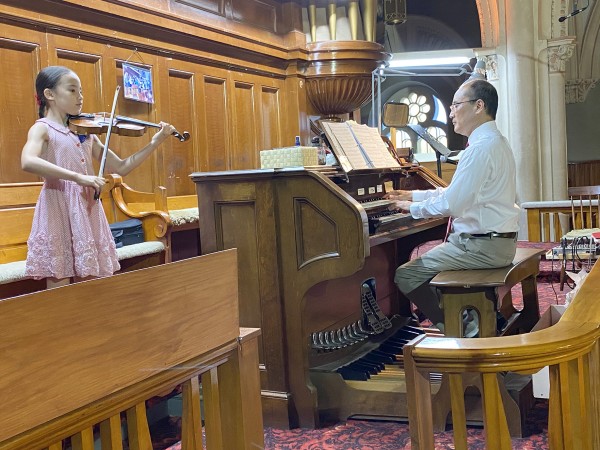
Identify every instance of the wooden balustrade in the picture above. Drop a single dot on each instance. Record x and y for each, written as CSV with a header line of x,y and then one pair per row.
x,y
571,350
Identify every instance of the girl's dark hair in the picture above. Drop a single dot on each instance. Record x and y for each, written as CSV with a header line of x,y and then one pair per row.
x,y
48,78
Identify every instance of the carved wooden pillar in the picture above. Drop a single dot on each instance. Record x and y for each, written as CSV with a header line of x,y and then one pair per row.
x,y
338,74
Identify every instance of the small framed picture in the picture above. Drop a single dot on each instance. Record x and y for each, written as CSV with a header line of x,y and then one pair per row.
x,y
137,83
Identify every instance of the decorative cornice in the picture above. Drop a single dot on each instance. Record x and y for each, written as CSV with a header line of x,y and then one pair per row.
x,y
491,67
576,91
558,55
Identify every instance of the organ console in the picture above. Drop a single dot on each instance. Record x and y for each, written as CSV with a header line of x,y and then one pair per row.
x,y
317,251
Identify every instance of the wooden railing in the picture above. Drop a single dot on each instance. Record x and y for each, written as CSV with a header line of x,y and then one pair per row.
x,y
79,361
571,350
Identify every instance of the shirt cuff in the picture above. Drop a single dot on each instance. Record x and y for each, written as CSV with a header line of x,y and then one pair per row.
x,y
415,211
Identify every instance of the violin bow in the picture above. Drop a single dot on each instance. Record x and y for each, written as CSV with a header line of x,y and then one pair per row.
x,y
105,150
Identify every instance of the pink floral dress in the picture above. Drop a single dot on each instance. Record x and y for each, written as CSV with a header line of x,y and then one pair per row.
x,y
70,235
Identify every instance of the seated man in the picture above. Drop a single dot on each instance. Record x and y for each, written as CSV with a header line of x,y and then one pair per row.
x,y
480,202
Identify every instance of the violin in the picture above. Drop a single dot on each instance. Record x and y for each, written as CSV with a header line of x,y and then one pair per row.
x,y
99,123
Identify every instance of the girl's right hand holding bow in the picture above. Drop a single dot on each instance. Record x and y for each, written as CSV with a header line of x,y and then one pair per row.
x,y
90,181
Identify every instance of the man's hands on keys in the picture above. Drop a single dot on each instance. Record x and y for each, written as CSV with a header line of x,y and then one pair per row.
x,y
402,199
399,195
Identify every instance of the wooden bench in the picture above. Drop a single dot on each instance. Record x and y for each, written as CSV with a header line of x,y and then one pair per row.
x,y
181,209
17,205
73,361
488,292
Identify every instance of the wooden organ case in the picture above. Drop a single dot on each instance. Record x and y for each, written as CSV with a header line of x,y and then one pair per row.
x,y
316,268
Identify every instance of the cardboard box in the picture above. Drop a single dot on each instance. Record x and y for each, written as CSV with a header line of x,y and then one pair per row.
x,y
541,379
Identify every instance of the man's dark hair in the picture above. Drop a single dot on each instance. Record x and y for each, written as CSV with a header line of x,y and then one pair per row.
x,y
485,91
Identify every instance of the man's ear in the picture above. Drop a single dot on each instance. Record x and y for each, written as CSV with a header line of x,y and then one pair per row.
x,y
480,105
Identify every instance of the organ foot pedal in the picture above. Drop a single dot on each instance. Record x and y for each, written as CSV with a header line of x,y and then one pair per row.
x,y
372,314
373,322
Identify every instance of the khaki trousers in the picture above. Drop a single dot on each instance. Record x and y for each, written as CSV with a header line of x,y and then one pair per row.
x,y
458,253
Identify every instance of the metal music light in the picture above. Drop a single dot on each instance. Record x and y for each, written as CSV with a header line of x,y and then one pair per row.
x,y
394,12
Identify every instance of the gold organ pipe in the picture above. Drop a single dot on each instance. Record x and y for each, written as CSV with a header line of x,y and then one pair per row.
x,y
353,18
332,18
312,20
369,13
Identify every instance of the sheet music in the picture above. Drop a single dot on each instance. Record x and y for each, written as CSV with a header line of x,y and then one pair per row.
x,y
360,146
373,146
345,145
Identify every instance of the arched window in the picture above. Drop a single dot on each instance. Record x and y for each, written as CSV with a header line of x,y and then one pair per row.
x,y
425,109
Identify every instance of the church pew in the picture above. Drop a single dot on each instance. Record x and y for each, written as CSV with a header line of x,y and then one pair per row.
x,y
79,361
17,204
570,348
181,209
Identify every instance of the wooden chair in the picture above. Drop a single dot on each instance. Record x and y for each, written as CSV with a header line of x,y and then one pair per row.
x,y
585,215
585,206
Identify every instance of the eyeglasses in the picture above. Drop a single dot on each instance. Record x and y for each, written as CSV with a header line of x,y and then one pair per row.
x,y
453,105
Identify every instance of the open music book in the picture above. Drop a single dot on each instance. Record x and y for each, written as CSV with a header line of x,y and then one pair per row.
x,y
358,146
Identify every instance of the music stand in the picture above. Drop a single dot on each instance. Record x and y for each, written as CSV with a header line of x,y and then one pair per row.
x,y
442,153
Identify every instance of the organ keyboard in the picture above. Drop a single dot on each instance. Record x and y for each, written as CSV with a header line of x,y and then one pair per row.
x,y
317,252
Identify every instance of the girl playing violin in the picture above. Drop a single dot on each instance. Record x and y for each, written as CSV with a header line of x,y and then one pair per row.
x,y
70,236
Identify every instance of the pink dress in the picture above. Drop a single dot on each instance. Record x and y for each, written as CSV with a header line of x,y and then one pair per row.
x,y
70,235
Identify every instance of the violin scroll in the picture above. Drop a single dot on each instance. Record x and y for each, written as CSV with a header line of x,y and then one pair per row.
x,y
181,136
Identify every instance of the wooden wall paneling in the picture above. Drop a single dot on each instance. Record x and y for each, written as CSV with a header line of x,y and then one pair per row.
x,y
189,83
145,177
584,173
181,158
88,67
295,108
99,67
244,126
21,54
270,106
260,13
216,149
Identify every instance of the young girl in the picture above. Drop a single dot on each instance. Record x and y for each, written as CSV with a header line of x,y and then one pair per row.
x,y
70,236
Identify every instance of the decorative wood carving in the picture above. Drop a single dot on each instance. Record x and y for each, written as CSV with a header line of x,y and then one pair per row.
x,y
338,74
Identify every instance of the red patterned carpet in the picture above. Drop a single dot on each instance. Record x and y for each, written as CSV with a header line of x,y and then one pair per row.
x,y
381,435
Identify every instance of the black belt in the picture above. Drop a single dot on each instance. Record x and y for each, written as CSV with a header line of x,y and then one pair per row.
x,y
492,234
